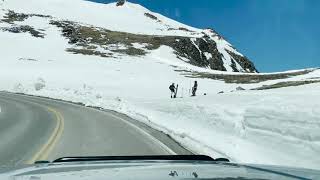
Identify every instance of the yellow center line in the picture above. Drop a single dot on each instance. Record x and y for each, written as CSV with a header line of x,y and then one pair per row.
x,y
45,150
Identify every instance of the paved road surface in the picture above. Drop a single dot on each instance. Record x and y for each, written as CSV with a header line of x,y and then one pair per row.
x,y
33,128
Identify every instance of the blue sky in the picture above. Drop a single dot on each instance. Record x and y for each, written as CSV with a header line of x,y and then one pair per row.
x,y
276,35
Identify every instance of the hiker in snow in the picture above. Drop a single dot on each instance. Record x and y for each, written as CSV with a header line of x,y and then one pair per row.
x,y
194,88
172,89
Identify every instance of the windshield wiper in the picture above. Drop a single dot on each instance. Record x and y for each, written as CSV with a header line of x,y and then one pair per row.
x,y
142,158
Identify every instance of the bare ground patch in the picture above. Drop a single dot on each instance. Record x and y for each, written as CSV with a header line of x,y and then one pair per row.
x,y
243,78
286,84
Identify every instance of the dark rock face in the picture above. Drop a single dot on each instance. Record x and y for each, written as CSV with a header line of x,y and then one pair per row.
x,y
186,48
121,2
244,62
151,16
180,29
210,46
234,66
184,29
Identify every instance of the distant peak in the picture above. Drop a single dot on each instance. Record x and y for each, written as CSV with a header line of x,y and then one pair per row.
x,y
121,2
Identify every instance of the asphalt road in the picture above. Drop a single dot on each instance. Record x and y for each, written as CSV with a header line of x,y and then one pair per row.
x,y
33,128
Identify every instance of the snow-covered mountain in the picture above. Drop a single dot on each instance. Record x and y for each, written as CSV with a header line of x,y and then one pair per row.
x,y
108,30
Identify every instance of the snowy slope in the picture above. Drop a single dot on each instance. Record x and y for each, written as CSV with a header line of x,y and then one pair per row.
x,y
129,18
279,126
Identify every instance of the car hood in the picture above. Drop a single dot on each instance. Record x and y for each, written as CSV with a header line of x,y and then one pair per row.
x,y
153,170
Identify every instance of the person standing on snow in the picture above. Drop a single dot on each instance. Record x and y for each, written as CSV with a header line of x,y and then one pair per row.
x,y
194,88
172,89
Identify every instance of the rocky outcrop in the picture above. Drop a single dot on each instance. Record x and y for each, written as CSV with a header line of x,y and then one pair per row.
x,y
24,29
244,62
151,16
12,17
120,2
192,49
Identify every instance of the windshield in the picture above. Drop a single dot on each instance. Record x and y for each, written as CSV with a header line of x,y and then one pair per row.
x,y
228,79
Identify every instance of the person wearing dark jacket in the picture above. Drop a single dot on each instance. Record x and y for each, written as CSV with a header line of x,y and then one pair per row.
x,y
194,88
172,89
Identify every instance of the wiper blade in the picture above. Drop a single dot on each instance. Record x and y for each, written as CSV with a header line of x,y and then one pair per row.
x,y
132,158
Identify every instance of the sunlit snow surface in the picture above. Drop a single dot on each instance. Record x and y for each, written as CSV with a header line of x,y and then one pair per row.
x,y
278,126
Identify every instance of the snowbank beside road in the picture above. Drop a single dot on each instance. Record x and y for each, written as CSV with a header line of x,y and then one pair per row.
x,y
279,127
269,127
